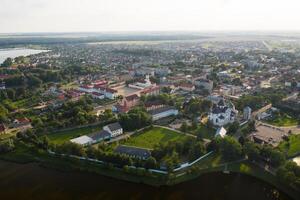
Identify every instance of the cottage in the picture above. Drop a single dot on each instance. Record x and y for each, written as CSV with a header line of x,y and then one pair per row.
x,y
135,152
114,129
22,123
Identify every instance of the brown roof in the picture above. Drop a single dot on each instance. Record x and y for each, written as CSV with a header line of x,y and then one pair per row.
x,y
131,97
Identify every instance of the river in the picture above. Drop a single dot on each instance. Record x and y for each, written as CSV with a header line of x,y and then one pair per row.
x,y
15,52
31,182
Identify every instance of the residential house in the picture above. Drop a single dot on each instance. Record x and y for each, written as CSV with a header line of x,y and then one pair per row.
x,y
100,136
22,123
114,129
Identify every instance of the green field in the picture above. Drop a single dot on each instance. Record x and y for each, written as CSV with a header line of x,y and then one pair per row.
x,y
152,137
291,147
64,136
283,120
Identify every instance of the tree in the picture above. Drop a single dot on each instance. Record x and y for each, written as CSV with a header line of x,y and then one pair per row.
x,y
151,163
184,127
252,151
230,148
233,128
7,146
196,151
7,62
44,142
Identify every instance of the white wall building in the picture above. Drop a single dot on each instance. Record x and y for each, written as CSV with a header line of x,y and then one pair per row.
x,y
114,129
247,113
163,112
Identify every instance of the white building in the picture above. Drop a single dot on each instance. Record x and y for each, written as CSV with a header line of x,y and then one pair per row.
x,y
222,114
247,113
163,112
221,132
142,84
97,90
83,140
114,129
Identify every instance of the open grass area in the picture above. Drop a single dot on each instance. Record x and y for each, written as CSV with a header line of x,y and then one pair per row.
x,y
283,120
292,146
150,138
64,136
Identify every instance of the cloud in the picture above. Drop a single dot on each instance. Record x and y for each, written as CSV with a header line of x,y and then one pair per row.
x,y
114,15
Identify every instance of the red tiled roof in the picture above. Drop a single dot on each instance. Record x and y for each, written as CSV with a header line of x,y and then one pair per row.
x,y
23,120
148,90
87,86
131,97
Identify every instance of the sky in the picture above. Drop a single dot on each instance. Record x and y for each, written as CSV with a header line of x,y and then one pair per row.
x,y
148,15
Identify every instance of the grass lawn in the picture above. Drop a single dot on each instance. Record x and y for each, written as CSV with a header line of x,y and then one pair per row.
x,y
283,120
291,147
152,137
64,136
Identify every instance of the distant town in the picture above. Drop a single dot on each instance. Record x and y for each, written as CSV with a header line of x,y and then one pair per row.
x,y
160,112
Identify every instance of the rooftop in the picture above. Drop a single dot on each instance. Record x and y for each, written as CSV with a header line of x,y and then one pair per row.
x,y
133,151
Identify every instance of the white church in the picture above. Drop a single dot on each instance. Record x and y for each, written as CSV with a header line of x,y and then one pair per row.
x,y
222,114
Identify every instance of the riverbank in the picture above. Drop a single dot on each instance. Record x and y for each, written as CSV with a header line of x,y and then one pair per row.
x,y
29,181
211,164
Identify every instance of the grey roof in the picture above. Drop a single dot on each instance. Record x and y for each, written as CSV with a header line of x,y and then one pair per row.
x,y
218,110
133,151
160,110
100,135
114,126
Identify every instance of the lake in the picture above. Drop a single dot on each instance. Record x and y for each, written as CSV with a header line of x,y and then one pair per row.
x,y
35,183
15,52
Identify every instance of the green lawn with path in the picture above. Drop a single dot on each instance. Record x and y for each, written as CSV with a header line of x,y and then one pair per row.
x,y
283,120
150,138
